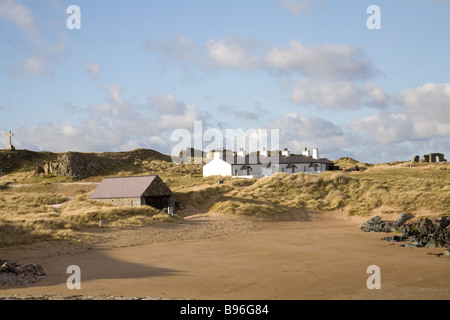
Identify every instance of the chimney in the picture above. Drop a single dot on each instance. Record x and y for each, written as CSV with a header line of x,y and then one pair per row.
x,y
264,153
286,152
315,154
306,152
241,152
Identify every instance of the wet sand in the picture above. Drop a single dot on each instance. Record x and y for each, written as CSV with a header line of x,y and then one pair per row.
x,y
214,256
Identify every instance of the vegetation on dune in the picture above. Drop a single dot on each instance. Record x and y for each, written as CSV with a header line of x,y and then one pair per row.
x,y
245,206
348,163
25,217
406,189
87,213
30,213
49,208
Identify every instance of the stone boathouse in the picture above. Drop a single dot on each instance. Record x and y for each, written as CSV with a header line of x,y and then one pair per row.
x,y
135,191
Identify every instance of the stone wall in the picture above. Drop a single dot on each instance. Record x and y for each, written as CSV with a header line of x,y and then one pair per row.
x,y
131,202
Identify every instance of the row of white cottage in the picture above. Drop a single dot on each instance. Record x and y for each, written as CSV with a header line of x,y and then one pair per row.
x,y
225,163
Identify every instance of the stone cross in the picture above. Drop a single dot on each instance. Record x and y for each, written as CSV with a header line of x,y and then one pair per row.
x,y
10,147
10,135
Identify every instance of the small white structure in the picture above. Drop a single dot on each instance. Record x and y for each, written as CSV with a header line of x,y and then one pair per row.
x,y
224,163
10,147
315,154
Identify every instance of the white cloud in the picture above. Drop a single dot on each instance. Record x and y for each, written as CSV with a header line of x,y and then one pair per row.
x,y
40,56
386,128
255,113
307,127
331,61
335,76
57,136
296,7
17,14
93,69
422,114
181,51
41,59
172,114
182,120
339,61
36,63
114,125
394,128
166,103
431,101
337,95
298,131
233,53
115,93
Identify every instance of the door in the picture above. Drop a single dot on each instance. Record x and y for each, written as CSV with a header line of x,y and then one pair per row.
x,y
157,202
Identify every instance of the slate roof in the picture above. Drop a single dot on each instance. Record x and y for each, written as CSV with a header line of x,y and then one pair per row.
x,y
123,187
293,159
303,159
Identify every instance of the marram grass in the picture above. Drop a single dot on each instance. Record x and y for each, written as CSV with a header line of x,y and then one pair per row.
x,y
34,212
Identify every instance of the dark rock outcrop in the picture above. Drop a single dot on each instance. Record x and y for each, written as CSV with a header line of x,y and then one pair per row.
x,y
376,224
78,165
13,274
425,232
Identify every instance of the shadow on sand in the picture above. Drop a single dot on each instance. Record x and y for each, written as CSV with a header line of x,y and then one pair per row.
x,y
93,265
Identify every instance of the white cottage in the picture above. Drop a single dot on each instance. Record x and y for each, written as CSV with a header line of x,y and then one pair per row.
x,y
239,164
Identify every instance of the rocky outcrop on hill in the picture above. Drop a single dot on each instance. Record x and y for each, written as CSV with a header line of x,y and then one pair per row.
x,y
425,232
13,274
78,166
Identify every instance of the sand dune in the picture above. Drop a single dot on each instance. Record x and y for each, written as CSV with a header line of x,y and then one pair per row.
x,y
215,256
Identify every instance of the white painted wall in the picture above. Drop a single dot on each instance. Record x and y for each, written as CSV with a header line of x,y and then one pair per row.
x,y
220,167
217,167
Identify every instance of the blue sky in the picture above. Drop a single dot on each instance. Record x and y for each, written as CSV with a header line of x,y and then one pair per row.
x,y
138,70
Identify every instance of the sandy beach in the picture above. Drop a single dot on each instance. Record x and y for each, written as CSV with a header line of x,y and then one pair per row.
x,y
215,256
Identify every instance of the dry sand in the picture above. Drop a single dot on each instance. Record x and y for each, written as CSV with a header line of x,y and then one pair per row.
x,y
215,256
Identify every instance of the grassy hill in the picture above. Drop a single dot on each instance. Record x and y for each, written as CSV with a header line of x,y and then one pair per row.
x,y
77,166
36,206
423,189
350,163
